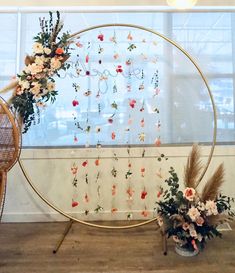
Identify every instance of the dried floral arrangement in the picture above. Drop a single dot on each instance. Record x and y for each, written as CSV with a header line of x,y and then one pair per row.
x,y
35,85
188,216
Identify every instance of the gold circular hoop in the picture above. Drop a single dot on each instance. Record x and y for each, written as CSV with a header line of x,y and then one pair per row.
x,y
213,141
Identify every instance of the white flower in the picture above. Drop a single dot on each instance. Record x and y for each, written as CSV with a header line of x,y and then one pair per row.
x,y
36,88
55,63
24,84
189,193
193,213
201,206
211,208
50,86
199,237
142,137
47,50
37,48
33,69
39,60
193,233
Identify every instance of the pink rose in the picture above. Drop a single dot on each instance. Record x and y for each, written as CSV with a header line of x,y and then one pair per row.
x,y
185,226
199,221
189,194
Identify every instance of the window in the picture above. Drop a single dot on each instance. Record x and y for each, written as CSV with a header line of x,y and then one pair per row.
x,y
185,108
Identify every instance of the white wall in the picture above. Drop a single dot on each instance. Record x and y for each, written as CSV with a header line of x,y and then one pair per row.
x,y
106,3
50,177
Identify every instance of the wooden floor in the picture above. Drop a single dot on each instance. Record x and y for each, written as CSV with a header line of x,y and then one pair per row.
x,y
27,248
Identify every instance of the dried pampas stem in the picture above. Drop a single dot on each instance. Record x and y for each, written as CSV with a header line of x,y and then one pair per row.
x,y
211,189
193,168
9,87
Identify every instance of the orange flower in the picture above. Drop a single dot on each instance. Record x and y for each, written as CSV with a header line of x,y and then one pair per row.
x,y
97,162
59,51
113,210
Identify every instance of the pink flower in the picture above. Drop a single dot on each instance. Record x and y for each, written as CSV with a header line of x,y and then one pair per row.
x,y
78,44
159,194
194,244
74,204
132,103
189,194
193,213
86,198
119,69
199,221
113,135
101,37
185,226
84,164
74,170
143,194
158,141
75,103
113,210
142,123
145,213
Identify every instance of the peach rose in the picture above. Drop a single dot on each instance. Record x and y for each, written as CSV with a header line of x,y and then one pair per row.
x,y
189,194
193,213
59,51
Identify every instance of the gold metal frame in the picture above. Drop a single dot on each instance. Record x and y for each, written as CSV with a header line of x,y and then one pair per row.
x,y
213,141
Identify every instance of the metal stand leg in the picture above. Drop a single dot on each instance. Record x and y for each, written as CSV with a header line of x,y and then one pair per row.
x,y
164,242
69,225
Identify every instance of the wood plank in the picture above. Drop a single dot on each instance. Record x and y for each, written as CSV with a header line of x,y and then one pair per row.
x,y
27,248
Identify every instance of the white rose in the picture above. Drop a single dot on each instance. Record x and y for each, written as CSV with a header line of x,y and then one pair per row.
x,y
193,233
47,50
33,69
55,63
39,60
199,237
24,84
36,88
37,48
201,206
193,213
211,208
50,86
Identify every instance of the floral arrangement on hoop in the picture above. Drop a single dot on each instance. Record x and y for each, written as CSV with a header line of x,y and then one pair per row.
x,y
191,217
35,85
